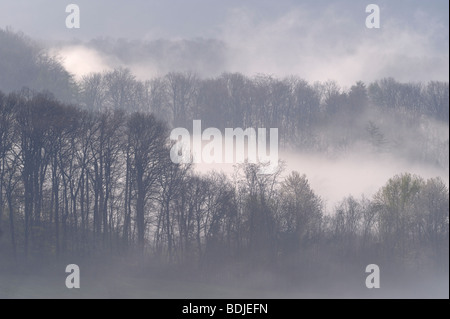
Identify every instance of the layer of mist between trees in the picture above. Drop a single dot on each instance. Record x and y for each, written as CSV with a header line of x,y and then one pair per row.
x,y
85,175
78,184
409,120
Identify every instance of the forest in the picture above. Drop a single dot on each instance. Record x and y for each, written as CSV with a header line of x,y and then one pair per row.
x,y
86,175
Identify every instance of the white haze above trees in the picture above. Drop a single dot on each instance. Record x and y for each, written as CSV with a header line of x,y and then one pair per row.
x,y
338,131
317,40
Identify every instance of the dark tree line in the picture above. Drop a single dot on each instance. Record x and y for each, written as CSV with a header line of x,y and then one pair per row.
x,y
77,182
235,100
321,117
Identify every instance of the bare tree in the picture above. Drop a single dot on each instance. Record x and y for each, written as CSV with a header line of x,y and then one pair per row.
x,y
182,88
147,140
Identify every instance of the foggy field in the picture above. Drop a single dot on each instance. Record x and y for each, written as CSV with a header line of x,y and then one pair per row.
x,y
105,283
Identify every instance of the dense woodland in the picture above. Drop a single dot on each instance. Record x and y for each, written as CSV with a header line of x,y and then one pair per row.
x,y
79,182
89,174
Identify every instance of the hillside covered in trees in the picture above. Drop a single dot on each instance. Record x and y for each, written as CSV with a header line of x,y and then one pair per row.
x,y
25,63
86,175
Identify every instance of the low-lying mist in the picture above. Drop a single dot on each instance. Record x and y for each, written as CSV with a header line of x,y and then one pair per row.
x,y
130,278
334,179
360,171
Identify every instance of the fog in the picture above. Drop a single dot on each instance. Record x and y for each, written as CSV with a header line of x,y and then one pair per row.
x,y
361,170
117,280
82,61
317,40
86,175
354,174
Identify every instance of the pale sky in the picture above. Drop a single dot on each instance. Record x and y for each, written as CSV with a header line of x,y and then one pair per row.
x,y
317,40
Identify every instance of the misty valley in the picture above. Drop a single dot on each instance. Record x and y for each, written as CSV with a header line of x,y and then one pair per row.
x,y
88,177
